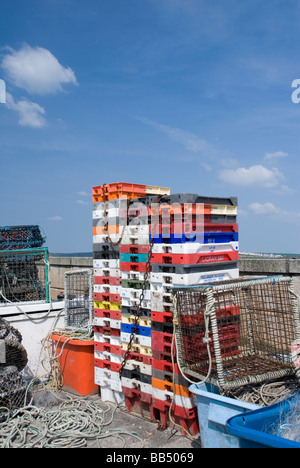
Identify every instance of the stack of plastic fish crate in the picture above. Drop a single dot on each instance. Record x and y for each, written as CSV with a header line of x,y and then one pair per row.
x,y
195,242
119,251
162,241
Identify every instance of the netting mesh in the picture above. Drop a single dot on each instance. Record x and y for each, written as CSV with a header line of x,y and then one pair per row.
x,y
24,275
12,391
237,331
13,359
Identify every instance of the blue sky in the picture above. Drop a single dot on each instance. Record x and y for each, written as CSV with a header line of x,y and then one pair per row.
x,y
195,95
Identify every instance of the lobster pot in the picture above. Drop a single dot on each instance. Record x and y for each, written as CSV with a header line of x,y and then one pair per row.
x,y
79,299
237,332
24,275
20,237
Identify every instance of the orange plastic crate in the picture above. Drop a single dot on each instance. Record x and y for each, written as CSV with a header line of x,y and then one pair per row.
x,y
170,387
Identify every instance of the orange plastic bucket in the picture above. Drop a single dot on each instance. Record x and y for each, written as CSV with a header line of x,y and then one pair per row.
x,y
76,361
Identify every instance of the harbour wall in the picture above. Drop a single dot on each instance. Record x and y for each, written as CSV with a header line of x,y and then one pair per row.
x,y
248,266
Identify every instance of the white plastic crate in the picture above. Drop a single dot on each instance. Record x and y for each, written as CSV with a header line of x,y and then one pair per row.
x,y
107,322
194,247
229,210
145,304
111,395
108,339
107,356
134,294
133,275
138,348
104,263
138,366
109,376
112,212
134,383
175,279
138,339
107,288
142,321
107,271
162,303
179,400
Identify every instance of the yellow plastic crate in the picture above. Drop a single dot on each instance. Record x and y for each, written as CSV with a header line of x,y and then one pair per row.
x,y
224,210
107,305
152,190
143,321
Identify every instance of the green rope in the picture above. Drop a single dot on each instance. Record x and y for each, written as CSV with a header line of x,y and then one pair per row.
x,y
72,425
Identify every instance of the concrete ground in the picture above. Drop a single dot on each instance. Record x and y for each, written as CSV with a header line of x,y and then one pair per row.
x,y
148,434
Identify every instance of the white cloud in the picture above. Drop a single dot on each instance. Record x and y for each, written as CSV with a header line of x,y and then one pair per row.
x,y
36,70
253,176
55,218
30,113
190,141
276,154
270,209
83,194
264,208
82,202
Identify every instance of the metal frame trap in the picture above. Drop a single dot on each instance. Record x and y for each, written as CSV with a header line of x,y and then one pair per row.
x,y
237,332
79,304
24,275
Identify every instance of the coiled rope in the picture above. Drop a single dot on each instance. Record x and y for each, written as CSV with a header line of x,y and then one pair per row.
x,y
72,425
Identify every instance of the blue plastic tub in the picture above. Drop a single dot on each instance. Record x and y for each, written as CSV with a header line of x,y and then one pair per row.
x,y
213,412
259,428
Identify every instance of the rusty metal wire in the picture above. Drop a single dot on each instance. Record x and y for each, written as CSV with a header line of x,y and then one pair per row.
x,y
239,331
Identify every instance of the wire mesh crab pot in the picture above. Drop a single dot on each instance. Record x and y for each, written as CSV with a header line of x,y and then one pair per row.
x,y
238,332
79,299
24,275
20,237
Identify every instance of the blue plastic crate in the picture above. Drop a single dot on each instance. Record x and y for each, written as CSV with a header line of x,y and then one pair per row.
x,y
214,410
140,330
133,258
202,238
261,428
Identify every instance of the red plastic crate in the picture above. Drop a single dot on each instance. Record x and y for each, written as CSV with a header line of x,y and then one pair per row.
x,y
186,418
192,228
118,190
106,297
128,266
112,280
102,330
167,366
161,342
106,364
198,319
106,313
138,402
197,258
143,358
164,317
107,347
134,249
